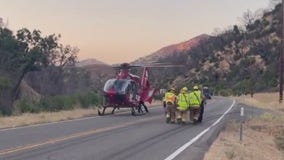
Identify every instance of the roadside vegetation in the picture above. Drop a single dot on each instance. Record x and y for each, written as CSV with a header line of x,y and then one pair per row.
x,y
58,103
44,117
28,118
263,137
38,74
241,59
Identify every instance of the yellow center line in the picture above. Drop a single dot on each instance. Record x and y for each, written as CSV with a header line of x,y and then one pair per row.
x,y
73,136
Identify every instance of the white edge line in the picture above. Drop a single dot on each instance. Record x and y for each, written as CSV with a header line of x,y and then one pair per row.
x,y
189,143
58,122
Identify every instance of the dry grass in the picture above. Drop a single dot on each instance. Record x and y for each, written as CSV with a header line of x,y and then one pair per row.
x,y
29,118
263,137
262,100
44,117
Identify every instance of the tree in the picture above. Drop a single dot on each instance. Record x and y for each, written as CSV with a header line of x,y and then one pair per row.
x,y
273,3
249,18
27,52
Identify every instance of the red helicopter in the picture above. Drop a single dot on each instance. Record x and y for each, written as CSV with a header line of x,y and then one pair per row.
x,y
127,90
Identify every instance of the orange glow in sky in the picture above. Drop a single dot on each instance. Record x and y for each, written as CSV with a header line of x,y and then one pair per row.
x,y
115,31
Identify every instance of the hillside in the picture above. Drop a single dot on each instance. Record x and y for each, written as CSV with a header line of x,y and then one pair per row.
x,y
88,75
99,74
88,62
242,59
173,49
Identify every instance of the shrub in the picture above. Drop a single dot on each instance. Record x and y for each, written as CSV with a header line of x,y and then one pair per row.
x,y
88,99
25,105
225,92
57,103
4,83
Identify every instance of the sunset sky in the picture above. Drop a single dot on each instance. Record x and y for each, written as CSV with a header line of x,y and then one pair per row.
x,y
115,31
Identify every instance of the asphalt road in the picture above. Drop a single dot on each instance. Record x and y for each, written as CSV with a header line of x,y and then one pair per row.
x,y
118,137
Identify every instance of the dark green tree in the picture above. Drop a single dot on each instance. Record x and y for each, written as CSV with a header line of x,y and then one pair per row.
x,y
27,52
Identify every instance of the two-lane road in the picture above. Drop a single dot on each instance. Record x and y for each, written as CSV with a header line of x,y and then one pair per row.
x,y
115,137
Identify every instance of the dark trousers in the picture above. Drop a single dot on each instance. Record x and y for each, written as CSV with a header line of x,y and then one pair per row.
x,y
142,104
194,113
165,107
201,111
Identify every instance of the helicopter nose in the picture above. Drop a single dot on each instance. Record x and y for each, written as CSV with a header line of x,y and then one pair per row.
x,y
115,98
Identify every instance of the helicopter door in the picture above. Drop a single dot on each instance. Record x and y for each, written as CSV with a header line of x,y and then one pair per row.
x,y
133,92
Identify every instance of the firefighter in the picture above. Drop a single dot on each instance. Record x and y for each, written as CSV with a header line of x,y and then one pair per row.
x,y
195,99
170,101
183,104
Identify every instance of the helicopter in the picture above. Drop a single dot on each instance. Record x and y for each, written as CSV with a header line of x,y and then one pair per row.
x,y
127,90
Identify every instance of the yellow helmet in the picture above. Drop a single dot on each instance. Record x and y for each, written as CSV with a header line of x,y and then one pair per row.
x,y
172,89
184,89
195,87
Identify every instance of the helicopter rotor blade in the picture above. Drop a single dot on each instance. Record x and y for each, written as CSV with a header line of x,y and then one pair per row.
x,y
162,65
158,65
148,65
126,66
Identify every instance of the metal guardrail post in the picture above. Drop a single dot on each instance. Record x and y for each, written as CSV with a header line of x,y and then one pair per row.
x,y
241,124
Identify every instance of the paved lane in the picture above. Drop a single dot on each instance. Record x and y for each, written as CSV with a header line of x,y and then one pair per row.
x,y
117,137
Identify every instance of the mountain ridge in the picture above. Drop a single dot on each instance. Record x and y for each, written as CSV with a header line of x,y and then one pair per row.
x,y
90,62
182,46
173,48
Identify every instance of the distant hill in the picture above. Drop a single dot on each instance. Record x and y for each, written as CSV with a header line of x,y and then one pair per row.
x,y
173,49
88,62
173,54
181,47
99,72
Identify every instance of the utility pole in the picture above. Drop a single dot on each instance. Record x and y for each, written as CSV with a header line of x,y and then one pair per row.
x,y
281,57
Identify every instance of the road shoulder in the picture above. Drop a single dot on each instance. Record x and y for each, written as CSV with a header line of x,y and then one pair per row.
x,y
263,137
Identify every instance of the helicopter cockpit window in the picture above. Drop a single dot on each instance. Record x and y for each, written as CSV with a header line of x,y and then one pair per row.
x,y
132,91
130,88
119,85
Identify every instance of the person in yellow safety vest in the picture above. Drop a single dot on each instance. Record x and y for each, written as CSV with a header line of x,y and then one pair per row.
x,y
195,99
170,101
183,104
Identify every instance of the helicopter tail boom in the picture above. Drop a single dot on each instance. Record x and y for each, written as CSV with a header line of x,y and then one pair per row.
x,y
148,92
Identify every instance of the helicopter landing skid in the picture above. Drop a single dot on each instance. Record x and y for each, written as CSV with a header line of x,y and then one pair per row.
x,y
102,113
137,111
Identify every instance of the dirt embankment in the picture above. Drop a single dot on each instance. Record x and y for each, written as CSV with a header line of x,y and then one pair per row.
x,y
263,136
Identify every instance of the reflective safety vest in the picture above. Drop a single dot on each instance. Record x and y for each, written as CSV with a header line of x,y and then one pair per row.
x,y
183,101
170,97
195,98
